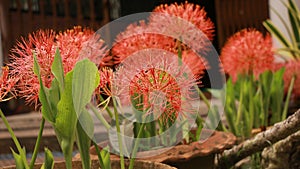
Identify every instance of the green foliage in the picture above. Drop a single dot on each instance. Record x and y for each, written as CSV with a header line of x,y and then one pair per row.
x,y
103,157
253,103
19,159
291,44
49,160
49,113
85,80
65,101
66,120
84,131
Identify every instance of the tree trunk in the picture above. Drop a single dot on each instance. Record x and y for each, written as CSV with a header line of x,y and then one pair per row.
x,y
283,154
278,132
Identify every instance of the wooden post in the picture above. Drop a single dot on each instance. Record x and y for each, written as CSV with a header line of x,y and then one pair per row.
x,y
4,31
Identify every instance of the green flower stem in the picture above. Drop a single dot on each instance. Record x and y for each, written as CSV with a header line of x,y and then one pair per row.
x,y
203,97
251,105
118,133
135,148
14,138
239,112
99,116
37,144
286,104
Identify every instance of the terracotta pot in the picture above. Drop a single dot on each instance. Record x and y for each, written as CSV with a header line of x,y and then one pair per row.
x,y
115,164
193,155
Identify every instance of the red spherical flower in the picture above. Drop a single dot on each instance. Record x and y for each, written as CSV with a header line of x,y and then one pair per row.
x,y
186,22
42,44
292,68
6,84
78,43
247,52
72,44
138,37
155,83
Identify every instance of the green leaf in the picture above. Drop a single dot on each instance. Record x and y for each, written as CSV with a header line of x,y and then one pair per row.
x,y
47,110
84,133
58,70
66,120
49,160
286,104
85,80
54,96
105,154
103,157
277,95
18,160
272,29
294,20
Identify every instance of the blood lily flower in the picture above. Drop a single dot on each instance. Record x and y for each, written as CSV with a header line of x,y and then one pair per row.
x,y
153,82
73,44
138,37
186,22
247,52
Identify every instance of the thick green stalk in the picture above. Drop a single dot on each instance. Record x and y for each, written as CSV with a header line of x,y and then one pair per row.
x,y
37,144
118,134
251,105
135,148
286,104
14,138
239,112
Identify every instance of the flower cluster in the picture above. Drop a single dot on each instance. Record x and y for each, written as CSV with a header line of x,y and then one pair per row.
x,y
73,44
247,52
180,32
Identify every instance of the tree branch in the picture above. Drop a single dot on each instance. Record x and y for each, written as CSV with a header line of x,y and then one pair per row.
x,y
264,139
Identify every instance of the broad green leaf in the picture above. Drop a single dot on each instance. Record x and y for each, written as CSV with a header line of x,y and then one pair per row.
x,y
66,120
47,110
84,133
58,70
49,160
85,80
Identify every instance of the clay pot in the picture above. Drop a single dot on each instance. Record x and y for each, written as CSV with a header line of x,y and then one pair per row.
x,y
193,155
115,164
